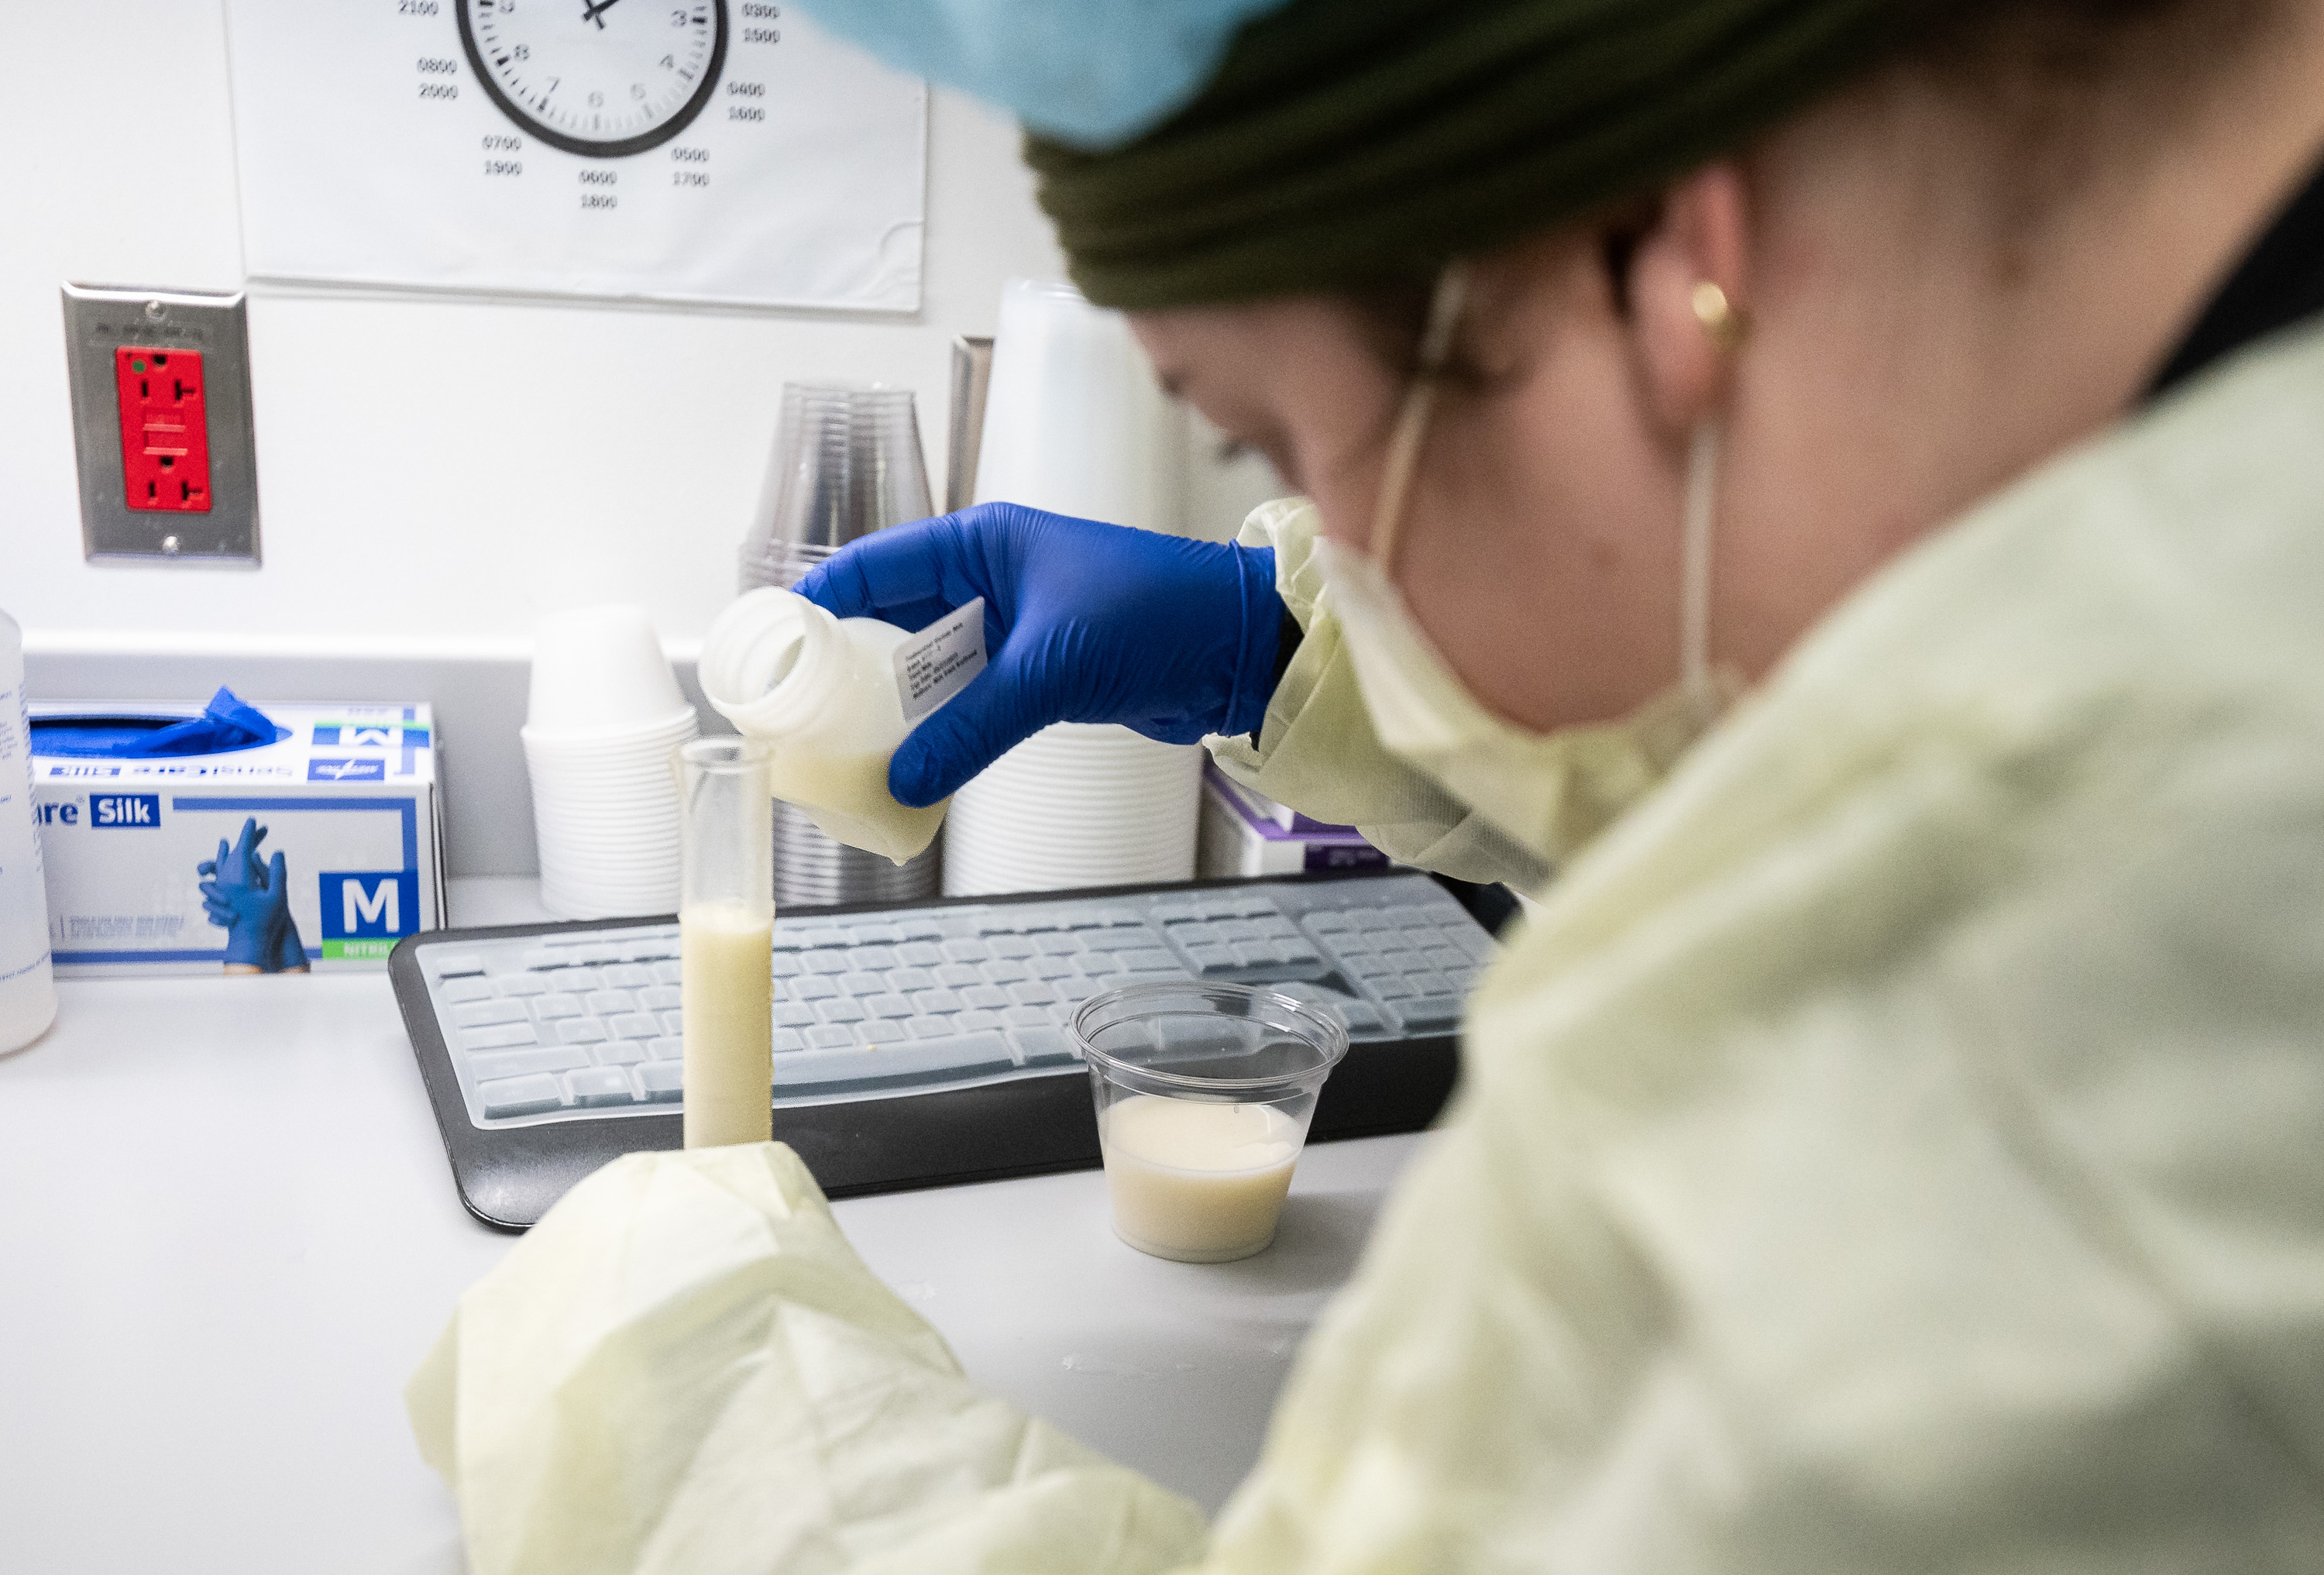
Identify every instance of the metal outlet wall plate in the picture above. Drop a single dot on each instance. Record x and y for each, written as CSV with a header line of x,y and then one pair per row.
x,y
102,320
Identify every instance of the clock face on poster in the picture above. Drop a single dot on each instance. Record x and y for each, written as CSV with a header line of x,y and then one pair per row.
x,y
604,78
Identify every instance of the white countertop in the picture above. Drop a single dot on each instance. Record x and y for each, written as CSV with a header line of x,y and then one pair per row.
x,y
229,1233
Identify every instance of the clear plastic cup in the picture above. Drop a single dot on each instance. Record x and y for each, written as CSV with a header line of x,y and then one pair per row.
x,y
1204,1093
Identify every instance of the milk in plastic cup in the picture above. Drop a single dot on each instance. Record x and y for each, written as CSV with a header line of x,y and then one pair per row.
x,y
1204,1093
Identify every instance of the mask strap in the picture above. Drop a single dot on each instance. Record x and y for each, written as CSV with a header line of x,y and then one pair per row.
x,y
1695,565
1444,304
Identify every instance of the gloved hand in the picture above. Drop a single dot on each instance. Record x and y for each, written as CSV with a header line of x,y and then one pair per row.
x,y
1083,622
251,901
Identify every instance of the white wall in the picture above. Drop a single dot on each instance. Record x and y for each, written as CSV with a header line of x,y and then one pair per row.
x,y
497,459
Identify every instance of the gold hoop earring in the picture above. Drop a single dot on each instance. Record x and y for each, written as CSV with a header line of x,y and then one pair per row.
x,y
1725,322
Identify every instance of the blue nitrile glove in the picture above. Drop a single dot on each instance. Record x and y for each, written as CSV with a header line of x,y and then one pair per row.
x,y
251,901
1083,622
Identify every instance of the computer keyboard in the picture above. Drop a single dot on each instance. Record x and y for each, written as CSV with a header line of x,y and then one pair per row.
x,y
547,1046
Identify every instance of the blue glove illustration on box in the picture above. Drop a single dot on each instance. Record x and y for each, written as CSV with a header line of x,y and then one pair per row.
x,y
1083,622
251,901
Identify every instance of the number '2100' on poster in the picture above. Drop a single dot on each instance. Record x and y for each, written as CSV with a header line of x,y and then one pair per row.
x,y
715,151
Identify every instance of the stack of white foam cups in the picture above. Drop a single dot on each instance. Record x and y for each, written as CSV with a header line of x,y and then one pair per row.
x,y
601,739
1076,423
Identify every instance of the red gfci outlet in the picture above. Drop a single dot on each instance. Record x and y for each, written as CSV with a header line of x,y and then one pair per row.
x,y
165,433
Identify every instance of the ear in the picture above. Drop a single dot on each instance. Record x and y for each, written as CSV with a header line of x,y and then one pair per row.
x,y
1700,233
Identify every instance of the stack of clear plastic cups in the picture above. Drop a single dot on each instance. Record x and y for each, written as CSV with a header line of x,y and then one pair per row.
x,y
1204,1093
846,462
601,739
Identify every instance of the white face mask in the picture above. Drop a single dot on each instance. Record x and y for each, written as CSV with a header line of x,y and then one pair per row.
x,y
1548,792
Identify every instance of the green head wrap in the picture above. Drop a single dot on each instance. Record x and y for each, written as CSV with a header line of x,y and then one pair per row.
x,y
1354,144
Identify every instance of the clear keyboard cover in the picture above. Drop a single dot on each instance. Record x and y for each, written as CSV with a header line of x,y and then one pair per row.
x,y
586,1025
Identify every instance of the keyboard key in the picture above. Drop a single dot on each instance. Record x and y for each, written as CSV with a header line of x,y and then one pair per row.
x,y
1074,991
544,957
908,980
521,1096
1025,1017
634,1026
823,935
673,1022
667,972
1099,964
862,984
787,1040
877,1033
785,939
548,1008
919,929
785,966
519,1062
1002,971
1433,1014
618,1053
956,974
626,976
660,1080
580,1031
660,998
1012,946
1043,1046
888,1006
1446,957
793,1014
841,1010
518,985
825,961
813,988
830,1038
445,964
597,951
1149,960
1120,940
1058,944
967,951
497,1038
984,997
474,988
934,1028
485,1014
918,954
672,1049
972,1022
604,1003
876,936
927,1061
874,959
600,1085
1212,960
1052,967
1032,993
932,1002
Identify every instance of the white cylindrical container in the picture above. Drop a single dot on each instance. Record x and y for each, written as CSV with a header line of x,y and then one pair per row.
x,y
821,693
28,990
1076,423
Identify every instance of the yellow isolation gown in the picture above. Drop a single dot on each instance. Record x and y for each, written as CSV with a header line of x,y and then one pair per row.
x,y
1897,1142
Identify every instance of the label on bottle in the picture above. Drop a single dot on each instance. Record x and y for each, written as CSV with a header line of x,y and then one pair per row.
x,y
937,663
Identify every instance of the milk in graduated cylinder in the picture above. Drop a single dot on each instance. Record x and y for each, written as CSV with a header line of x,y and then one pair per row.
x,y
728,995
1197,1181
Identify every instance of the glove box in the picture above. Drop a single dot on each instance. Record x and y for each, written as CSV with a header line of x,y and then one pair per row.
x,y
231,852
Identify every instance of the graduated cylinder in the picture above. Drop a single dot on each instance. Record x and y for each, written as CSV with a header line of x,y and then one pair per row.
x,y
726,920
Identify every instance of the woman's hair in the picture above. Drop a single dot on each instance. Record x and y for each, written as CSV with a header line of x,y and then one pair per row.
x,y
2065,85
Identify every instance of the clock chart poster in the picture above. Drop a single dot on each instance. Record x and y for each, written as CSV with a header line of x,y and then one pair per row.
x,y
711,151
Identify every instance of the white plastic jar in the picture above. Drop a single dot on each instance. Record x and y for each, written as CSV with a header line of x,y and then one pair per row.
x,y
28,992
823,692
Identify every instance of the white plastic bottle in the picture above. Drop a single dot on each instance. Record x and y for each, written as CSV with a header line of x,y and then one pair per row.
x,y
823,692
28,992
